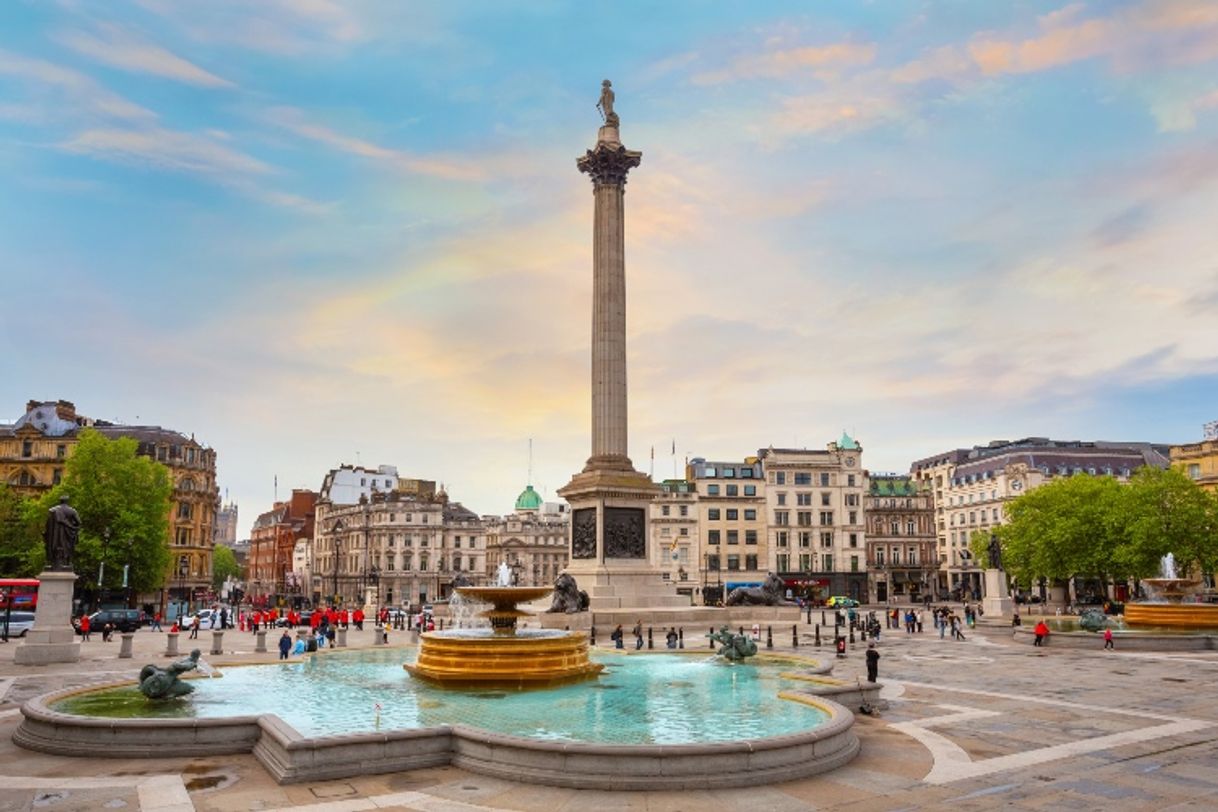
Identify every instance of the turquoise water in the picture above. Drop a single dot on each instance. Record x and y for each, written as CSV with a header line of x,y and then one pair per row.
x,y
638,699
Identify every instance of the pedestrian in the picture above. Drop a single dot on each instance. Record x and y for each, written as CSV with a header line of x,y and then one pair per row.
x,y
1041,631
1016,620
671,637
223,619
1108,639
194,628
84,628
385,633
107,631
156,622
873,663
285,645
616,637
638,634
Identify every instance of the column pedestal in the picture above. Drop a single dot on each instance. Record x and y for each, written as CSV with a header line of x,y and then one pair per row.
x,y
52,639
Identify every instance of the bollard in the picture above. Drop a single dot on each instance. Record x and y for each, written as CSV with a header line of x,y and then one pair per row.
x,y
260,645
681,637
124,652
795,636
809,614
566,628
712,640
851,634
592,637
823,622
769,637
441,624
650,643
340,638
171,644
817,635
217,642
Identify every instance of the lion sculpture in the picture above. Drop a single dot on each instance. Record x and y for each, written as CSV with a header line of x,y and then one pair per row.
x,y
771,593
733,646
568,597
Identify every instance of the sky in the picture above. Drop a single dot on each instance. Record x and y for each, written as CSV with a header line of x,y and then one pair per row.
x,y
315,233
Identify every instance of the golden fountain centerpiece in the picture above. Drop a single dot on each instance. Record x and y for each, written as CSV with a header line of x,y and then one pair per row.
x,y
1172,602
503,655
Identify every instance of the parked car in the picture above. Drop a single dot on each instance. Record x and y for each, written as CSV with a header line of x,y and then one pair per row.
x,y
123,620
206,618
841,602
18,623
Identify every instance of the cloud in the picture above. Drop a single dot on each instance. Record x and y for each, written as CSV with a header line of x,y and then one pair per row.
x,y
165,149
120,49
280,27
84,93
784,62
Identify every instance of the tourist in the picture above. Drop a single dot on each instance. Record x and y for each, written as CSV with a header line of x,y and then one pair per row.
x,y
671,637
330,634
223,619
285,645
638,635
918,620
107,632
616,637
194,628
1108,639
385,632
84,628
873,663
358,617
156,622
1041,631
1016,620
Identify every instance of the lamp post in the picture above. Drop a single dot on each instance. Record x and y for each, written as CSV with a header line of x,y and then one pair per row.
x,y
101,567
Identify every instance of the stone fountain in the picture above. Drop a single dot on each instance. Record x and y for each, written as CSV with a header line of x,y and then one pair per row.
x,y
1169,604
503,654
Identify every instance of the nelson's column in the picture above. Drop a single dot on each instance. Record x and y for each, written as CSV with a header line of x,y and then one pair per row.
x,y
612,555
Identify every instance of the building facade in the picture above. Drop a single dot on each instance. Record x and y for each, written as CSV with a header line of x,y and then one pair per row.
x,y
675,537
816,529
226,524
902,550
1199,461
532,541
34,449
271,566
731,514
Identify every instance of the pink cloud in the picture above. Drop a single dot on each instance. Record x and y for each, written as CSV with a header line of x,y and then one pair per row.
x,y
774,63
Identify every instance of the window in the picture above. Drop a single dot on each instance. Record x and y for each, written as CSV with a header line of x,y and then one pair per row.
x,y
750,537
684,531
712,536
895,528
423,562
781,538
733,563
854,517
805,538
850,480
852,500
56,476
896,556
183,510
824,499
712,562
805,562
781,498
746,473
780,478
733,515
712,514
750,515
854,563
804,517
909,526
1194,470
664,510
803,498
879,557
824,480
684,510
803,478
456,542
784,562
61,451
190,455
750,562
782,517
387,485
363,482
712,490
733,490
826,517
854,539
183,535
827,562
729,473
911,555
733,537
27,448
162,453
826,539
26,478
750,490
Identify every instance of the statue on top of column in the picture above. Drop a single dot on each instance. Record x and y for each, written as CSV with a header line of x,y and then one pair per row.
x,y
605,105
63,527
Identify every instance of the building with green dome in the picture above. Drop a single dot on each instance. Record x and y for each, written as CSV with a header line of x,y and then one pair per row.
x,y
529,501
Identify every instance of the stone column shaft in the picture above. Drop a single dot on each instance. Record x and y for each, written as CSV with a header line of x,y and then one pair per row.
x,y
608,322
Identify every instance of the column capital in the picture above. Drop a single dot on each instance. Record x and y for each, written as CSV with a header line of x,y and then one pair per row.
x,y
608,163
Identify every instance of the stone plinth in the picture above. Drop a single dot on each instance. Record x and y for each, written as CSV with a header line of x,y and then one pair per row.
x,y
125,651
997,601
171,644
52,639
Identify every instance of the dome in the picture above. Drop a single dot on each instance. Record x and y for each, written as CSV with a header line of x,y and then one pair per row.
x,y
529,499
846,443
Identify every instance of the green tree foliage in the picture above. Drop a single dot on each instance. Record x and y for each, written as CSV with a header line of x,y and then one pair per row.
x,y
19,536
1166,512
223,566
113,488
1093,526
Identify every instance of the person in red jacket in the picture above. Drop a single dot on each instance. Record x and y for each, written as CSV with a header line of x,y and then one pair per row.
x,y
1041,631
84,627
358,617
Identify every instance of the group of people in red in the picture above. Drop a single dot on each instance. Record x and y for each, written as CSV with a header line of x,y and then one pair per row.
x,y
269,618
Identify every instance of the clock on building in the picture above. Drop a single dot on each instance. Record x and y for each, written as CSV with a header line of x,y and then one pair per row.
x,y
1017,484
849,462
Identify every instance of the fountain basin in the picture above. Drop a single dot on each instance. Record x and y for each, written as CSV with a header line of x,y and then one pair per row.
x,y
536,659
703,724
1172,615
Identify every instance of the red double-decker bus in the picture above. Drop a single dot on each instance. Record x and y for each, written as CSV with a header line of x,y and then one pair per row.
x,y
20,593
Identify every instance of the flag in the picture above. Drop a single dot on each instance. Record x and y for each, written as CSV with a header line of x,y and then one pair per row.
x,y
674,447
653,453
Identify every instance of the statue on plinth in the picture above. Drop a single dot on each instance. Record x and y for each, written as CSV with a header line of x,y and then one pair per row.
x,y
773,592
60,536
995,552
605,105
734,646
568,597
164,683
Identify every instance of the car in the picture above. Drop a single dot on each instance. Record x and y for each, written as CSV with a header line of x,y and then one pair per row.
x,y
841,602
18,622
123,620
206,618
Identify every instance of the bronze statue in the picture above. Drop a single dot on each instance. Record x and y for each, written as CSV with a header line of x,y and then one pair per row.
x,y
734,646
995,553
605,104
164,683
568,597
771,593
62,530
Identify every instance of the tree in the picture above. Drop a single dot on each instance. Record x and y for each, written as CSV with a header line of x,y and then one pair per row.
x,y
113,489
223,566
1166,512
20,535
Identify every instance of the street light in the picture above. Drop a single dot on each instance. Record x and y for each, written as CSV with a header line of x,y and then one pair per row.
x,y
338,546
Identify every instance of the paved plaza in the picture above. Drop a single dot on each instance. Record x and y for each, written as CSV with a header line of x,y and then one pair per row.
x,y
974,725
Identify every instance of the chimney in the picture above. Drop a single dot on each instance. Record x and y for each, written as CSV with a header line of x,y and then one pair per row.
x,y
66,410
32,405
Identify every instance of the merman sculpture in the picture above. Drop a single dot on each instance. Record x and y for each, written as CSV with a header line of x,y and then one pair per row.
x,y
734,647
163,683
